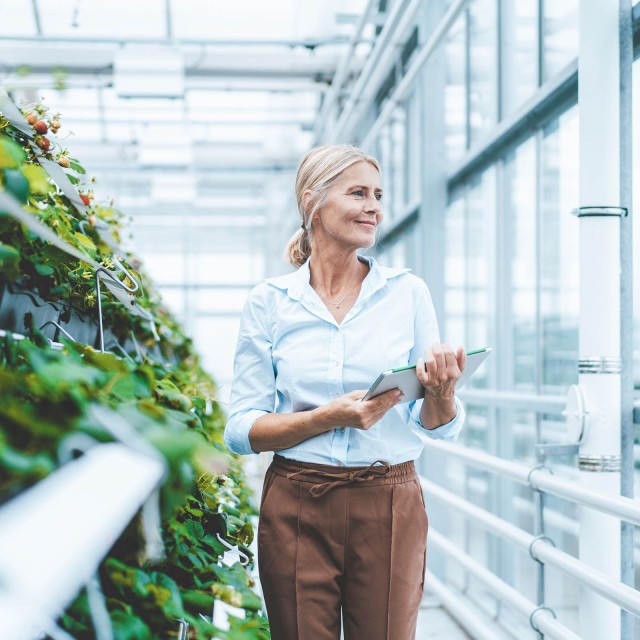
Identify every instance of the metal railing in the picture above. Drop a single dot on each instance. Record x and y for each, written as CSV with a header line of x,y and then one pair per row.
x,y
540,478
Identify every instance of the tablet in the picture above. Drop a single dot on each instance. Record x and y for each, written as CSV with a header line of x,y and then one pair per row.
x,y
405,378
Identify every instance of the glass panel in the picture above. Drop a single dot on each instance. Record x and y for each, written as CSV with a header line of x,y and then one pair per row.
x,y
560,263
519,52
455,100
480,254
560,35
453,324
520,245
483,70
396,170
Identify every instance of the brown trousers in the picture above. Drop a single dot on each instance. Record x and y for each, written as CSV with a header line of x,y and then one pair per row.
x,y
342,538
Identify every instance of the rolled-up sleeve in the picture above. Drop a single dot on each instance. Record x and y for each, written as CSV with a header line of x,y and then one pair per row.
x,y
253,386
426,333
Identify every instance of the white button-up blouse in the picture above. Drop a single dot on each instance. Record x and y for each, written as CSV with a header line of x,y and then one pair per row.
x,y
292,355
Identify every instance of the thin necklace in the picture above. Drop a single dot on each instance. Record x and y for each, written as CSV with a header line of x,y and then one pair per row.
x,y
337,304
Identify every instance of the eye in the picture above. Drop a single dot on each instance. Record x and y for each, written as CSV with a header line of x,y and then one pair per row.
x,y
378,197
357,192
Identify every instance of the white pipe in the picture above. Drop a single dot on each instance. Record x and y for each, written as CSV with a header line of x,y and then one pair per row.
x,y
600,305
423,55
543,619
54,535
472,623
539,549
378,64
615,505
339,76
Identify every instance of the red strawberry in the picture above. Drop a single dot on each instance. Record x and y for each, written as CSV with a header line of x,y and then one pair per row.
x,y
43,143
32,118
41,127
86,199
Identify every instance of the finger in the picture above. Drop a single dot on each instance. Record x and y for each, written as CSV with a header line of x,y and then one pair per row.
x,y
450,360
441,363
389,398
432,366
421,372
461,356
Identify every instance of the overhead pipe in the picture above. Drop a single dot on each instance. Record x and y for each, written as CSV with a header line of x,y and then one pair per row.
x,y
377,66
342,70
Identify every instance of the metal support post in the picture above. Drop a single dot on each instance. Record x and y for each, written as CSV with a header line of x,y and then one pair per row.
x,y
599,344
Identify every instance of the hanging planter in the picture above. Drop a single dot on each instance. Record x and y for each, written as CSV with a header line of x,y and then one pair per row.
x,y
17,301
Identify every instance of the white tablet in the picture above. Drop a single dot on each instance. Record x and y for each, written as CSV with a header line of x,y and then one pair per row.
x,y
405,378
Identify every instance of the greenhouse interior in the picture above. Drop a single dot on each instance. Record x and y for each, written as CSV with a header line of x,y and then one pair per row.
x,y
155,163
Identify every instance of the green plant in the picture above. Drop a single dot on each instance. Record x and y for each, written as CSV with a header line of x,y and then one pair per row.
x,y
48,395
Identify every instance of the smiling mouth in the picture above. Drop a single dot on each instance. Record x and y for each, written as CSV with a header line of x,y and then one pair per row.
x,y
368,224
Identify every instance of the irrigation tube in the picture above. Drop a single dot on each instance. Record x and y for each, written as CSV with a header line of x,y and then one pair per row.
x,y
540,618
54,535
541,550
478,629
540,479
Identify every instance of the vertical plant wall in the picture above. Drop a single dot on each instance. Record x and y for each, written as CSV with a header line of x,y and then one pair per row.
x,y
55,239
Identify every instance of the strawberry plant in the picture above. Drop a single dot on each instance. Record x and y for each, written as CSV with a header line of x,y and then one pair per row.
x,y
48,395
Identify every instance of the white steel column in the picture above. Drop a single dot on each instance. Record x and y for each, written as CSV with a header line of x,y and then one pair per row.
x,y
599,344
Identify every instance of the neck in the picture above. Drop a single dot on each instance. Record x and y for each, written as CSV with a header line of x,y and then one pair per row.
x,y
334,274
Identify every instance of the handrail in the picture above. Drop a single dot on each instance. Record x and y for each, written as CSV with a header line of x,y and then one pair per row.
x,y
540,549
541,619
466,618
54,535
541,479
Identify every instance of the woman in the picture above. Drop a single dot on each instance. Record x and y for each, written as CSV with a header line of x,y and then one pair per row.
x,y
342,526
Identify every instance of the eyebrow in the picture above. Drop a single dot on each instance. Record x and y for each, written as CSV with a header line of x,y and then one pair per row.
x,y
363,186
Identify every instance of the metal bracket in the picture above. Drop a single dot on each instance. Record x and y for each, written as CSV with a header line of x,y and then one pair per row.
x,y
540,538
600,364
533,613
599,463
600,212
550,450
183,630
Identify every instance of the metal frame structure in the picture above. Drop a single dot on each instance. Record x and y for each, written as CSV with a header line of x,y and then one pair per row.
x,y
554,96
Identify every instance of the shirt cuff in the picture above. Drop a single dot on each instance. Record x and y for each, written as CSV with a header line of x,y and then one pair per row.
x,y
448,431
236,431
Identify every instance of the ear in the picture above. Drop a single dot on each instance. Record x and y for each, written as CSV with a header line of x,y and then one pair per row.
x,y
306,199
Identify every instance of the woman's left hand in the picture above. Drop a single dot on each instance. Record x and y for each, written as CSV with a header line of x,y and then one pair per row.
x,y
440,369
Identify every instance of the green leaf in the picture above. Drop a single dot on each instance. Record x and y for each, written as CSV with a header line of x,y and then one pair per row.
x,y
85,242
129,627
11,153
44,269
38,179
9,261
77,167
16,184
73,179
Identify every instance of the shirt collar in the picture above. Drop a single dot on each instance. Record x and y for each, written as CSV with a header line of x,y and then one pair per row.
x,y
295,283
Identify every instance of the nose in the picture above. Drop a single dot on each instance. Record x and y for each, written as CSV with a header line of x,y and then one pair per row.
x,y
373,205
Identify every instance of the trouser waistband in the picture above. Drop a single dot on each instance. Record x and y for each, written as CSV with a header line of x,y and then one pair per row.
x,y
325,477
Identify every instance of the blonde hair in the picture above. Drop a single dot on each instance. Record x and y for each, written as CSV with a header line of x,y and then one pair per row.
x,y
318,171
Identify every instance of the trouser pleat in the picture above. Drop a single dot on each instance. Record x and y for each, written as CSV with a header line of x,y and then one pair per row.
x,y
358,548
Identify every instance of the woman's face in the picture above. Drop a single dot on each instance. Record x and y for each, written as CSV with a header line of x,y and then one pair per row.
x,y
353,211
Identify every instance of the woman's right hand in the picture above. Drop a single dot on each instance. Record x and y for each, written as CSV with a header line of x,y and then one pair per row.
x,y
349,410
